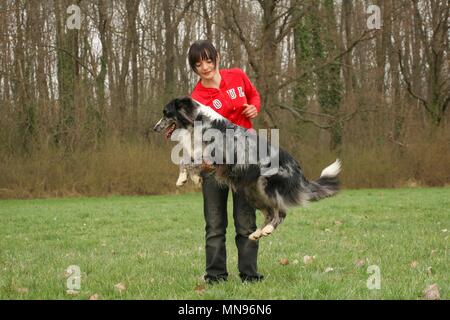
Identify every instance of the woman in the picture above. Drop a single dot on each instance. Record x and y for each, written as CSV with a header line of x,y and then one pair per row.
x,y
231,94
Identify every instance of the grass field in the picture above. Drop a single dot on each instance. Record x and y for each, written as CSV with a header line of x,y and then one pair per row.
x,y
154,247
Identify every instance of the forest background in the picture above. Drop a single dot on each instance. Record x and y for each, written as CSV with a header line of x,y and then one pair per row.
x,y
77,102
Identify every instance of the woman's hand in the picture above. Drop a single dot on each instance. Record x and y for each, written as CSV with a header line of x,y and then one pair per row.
x,y
250,111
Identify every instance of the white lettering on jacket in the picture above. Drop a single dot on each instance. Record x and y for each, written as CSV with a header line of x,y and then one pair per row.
x,y
241,92
232,93
217,104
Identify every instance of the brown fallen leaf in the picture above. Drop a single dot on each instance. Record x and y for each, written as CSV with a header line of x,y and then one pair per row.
x,y
432,292
338,222
414,264
22,290
200,289
360,263
120,287
284,262
94,297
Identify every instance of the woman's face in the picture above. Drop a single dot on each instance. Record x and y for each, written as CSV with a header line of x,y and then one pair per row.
x,y
205,69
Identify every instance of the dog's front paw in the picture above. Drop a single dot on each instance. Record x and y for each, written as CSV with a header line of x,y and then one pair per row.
x,y
197,180
181,182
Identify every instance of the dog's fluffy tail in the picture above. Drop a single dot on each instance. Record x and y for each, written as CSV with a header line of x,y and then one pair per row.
x,y
328,183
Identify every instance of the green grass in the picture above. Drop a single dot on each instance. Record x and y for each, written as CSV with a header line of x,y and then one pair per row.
x,y
155,246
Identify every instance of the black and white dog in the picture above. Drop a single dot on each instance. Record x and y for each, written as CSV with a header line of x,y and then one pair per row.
x,y
270,191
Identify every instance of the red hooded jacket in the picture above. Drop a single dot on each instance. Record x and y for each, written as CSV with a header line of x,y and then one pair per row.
x,y
235,90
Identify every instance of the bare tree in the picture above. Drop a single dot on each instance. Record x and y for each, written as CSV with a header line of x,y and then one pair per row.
x,y
435,43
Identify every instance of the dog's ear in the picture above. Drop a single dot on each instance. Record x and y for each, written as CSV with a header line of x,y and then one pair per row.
x,y
185,107
184,102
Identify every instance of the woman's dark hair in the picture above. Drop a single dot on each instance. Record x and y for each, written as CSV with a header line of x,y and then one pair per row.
x,y
201,50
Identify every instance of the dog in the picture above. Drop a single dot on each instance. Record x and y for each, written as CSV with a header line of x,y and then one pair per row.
x,y
270,192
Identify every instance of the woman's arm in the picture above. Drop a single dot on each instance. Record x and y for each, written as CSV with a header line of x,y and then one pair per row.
x,y
251,93
253,105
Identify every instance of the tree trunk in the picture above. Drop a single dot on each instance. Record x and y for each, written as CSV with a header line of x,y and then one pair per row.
x,y
169,75
329,86
67,53
347,11
266,81
303,59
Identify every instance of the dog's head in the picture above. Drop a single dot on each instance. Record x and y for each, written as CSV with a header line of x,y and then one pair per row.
x,y
178,113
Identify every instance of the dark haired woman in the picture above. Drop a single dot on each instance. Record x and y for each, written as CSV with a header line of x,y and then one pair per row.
x,y
230,93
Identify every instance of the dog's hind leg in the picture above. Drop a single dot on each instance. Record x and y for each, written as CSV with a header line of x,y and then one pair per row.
x,y
267,219
255,235
278,218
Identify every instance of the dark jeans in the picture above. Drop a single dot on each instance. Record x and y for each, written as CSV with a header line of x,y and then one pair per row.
x,y
215,210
